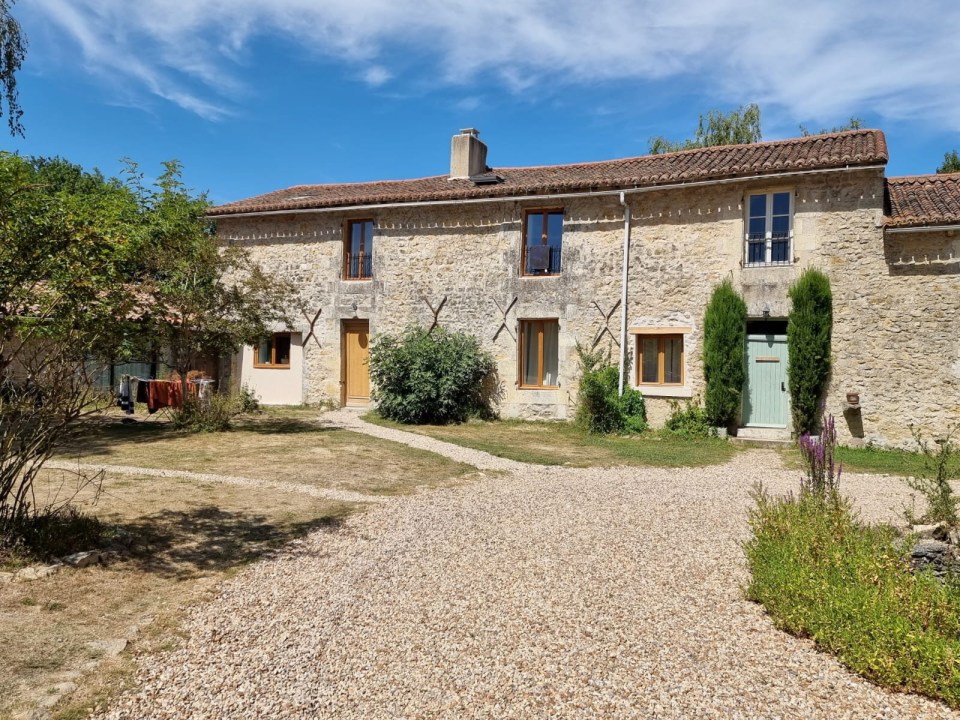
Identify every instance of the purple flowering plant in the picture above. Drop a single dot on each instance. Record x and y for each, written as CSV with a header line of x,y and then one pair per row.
x,y
822,473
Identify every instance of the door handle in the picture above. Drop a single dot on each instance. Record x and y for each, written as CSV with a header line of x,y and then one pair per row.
x,y
783,387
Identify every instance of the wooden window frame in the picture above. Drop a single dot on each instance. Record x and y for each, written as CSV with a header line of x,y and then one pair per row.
x,y
521,355
348,244
273,353
660,337
544,239
768,260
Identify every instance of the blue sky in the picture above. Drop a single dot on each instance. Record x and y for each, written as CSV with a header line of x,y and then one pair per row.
x,y
255,95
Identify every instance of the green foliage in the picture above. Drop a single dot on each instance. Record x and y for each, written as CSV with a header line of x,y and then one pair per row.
x,y
822,574
600,407
434,377
13,49
724,339
212,414
950,164
809,328
739,127
934,482
247,401
689,421
854,124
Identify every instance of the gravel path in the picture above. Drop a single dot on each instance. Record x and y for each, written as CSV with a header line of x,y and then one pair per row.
x,y
291,487
545,593
350,420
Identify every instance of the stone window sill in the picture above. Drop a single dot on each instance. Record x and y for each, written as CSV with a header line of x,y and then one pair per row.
x,y
670,391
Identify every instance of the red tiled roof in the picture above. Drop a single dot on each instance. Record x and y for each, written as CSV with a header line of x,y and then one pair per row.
x,y
923,200
816,152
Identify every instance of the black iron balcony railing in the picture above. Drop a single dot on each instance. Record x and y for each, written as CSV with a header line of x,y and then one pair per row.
x,y
359,266
778,245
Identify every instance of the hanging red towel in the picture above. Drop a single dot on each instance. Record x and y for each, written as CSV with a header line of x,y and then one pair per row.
x,y
164,393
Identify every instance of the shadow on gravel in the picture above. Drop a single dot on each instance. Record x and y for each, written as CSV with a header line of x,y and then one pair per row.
x,y
188,544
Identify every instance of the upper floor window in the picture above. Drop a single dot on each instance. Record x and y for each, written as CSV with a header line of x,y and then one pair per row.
x,y
769,229
358,250
542,242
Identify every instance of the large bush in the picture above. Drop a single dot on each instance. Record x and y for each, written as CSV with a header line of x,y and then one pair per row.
x,y
822,574
435,377
724,338
809,326
600,407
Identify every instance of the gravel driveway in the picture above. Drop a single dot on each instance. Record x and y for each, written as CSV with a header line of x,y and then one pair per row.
x,y
534,593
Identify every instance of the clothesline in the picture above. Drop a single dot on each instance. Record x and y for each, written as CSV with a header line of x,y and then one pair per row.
x,y
157,394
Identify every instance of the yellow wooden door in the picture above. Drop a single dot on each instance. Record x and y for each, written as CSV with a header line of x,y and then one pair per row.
x,y
356,374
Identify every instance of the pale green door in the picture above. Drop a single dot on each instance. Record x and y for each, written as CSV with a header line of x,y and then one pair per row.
x,y
765,396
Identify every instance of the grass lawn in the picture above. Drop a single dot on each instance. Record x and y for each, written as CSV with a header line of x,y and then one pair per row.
x,y
180,538
281,445
562,443
877,461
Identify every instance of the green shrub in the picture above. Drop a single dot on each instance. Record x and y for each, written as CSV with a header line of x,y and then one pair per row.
x,y
690,420
600,407
809,326
247,401
822,574
939,469
724,339
425,377
214,413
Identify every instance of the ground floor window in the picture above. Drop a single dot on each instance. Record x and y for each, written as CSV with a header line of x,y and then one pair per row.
x,y
273,352
539,353
660,359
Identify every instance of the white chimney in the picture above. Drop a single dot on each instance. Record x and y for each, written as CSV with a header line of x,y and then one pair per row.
x,y
468,155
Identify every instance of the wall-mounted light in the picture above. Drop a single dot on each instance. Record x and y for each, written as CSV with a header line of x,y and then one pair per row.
x,y
766,310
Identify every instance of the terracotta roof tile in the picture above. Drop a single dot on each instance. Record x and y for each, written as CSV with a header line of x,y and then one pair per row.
x,y
923,200
817,152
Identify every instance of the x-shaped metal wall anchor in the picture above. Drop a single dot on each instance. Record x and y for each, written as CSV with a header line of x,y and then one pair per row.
x,y
606,325
435,311
503,323
313,323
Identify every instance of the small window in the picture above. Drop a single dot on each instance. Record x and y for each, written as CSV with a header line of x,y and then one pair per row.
x,y
358,250
769,230
274,352
539,353
542,242
660,360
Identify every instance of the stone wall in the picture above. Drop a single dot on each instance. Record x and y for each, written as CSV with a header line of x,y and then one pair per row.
x,y
895,333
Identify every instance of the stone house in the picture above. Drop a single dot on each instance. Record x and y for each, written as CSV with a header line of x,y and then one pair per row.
x,y
623,254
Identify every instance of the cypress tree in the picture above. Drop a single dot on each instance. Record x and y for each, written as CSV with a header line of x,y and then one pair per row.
x,y
809,327
724,338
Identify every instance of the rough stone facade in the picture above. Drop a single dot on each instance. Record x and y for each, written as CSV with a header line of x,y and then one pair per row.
x,y
896,297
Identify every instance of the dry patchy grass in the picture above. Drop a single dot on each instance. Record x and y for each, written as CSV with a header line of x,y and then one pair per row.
x,y
287,446
180,538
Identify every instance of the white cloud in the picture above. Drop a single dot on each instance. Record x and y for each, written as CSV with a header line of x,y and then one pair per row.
x,y
376,75
815,60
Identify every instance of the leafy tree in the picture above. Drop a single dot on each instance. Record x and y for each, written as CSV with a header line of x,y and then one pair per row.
x,y
950,164
716,128
64,257
809,327
724,338
96,268
854,124
13,49
201,301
